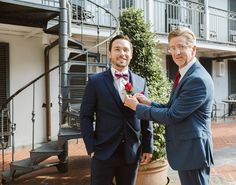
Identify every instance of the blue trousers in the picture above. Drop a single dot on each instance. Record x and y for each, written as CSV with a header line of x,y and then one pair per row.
x,y
195,177
103,171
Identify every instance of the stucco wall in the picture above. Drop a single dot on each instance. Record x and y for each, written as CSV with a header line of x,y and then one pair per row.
x,y
26,63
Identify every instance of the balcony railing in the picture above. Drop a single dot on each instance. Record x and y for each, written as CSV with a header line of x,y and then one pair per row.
x,y
164,16
222,25
169,14
84,12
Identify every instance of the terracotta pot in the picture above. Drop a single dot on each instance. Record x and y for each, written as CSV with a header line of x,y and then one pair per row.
x,y
154,173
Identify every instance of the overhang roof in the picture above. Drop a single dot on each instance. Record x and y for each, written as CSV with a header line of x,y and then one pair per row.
x,y
26,13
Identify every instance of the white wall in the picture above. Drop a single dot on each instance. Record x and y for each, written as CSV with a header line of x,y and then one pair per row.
x,y
221,83
26,63
222,4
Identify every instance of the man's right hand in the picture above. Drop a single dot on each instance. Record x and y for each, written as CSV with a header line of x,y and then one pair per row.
x,y
143,99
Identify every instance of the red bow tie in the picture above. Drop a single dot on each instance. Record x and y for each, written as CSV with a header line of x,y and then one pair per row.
x,y
119,75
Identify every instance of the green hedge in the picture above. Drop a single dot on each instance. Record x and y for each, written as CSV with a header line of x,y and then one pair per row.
x,y
146,63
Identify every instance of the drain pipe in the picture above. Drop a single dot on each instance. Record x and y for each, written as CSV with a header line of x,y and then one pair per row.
x,y
63,40
47,104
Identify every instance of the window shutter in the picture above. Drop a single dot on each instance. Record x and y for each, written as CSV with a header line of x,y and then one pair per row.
x,y
4,72
4,90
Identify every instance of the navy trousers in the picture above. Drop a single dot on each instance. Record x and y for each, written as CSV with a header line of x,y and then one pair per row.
x,y
103,171
195,177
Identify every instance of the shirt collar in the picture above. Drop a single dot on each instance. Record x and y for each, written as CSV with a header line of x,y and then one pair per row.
x,y
184,70
113,70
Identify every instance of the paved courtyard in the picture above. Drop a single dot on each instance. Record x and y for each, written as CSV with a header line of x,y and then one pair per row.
x,y
223,172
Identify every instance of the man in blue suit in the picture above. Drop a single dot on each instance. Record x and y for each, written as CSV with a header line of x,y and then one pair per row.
x,y
187,115
117,138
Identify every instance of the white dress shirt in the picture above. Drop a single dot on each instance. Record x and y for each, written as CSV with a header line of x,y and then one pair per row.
x,y
184,70
120,83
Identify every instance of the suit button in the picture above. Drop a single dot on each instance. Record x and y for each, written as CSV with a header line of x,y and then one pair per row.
x,y
122,141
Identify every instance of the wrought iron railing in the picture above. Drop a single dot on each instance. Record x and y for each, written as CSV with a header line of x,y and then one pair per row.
x,y
169,14
222,25
164,15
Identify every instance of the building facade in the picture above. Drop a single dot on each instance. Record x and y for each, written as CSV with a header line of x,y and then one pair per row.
x,y
48,48
23,48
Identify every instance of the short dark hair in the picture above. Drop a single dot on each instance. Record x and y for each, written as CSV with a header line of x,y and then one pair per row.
x,y
125,37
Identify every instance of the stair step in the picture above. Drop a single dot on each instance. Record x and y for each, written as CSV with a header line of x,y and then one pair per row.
x,y
85,56
72,43
89,25
75,107
78,74
16,171
72,113
83,63
53,30
76,87
48,148
8,176
45,151
72,100
75,50
68,133
22,164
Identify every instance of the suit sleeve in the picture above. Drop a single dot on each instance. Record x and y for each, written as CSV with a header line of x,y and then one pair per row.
x,y
192,96
147,132
87,112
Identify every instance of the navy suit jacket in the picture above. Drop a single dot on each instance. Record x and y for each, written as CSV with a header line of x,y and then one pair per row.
x,y
187,117
113,121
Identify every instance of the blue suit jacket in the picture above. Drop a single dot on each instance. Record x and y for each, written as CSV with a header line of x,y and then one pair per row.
x,y
187,117
113,122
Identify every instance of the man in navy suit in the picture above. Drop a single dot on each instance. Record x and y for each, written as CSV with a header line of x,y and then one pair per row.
x,y
117,138
187,115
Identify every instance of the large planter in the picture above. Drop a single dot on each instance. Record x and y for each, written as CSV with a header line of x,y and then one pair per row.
x,y
154,173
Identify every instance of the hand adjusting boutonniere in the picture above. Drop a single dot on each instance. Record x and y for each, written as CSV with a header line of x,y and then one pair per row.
x,y
130,90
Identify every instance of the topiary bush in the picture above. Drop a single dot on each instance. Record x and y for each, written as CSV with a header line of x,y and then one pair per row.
x,y
146,63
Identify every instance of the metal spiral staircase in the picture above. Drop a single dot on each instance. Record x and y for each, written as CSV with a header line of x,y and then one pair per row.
x,y
75,63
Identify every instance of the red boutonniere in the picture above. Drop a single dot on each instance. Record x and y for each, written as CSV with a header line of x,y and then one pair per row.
x,y
129,89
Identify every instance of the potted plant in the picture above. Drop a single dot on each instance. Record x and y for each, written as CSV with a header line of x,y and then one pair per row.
x,y
146,63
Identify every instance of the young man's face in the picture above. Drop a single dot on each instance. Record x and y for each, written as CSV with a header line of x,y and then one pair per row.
x,y
120,54
181,50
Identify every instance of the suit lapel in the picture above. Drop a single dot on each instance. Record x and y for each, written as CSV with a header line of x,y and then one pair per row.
x,y
135,82
108,79
189,72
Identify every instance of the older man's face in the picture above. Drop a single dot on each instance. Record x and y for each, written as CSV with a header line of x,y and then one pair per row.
x,y
181,50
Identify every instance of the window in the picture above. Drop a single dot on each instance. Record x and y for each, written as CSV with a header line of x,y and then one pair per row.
x,y
126,4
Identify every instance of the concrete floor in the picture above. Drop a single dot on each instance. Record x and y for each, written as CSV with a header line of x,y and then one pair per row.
x,y
223,172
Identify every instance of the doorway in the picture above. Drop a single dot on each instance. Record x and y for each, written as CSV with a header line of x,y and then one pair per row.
x,y
232,76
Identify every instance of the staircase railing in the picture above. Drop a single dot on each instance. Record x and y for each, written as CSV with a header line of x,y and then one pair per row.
x,y
9,105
